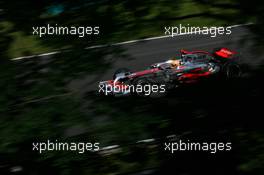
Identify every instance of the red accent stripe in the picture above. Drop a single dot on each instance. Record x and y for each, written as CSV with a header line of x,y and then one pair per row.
x,y
149,71
194,76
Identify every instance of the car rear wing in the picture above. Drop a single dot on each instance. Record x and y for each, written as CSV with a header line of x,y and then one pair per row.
x,y
225,53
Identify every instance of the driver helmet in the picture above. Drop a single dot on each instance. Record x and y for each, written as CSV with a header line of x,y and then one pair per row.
x,y
174,62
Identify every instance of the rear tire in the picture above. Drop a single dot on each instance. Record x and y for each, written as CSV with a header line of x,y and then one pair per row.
x,y
232,70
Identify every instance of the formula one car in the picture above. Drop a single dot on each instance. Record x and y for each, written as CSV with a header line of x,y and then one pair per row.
x,y
190,67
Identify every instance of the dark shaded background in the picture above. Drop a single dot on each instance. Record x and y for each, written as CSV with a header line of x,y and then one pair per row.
x,y
37,105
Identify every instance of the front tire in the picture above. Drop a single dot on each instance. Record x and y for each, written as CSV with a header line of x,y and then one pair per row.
x,y
149,91
119,71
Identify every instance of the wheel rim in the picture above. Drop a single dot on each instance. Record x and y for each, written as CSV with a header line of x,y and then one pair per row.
x,y
142,83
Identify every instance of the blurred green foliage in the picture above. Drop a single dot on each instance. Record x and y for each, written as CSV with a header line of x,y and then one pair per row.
x,y
118,21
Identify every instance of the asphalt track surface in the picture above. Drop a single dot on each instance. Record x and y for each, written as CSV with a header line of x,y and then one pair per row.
x,y
141,54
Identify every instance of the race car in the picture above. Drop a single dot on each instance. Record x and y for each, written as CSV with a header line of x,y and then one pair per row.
x,y
189,67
